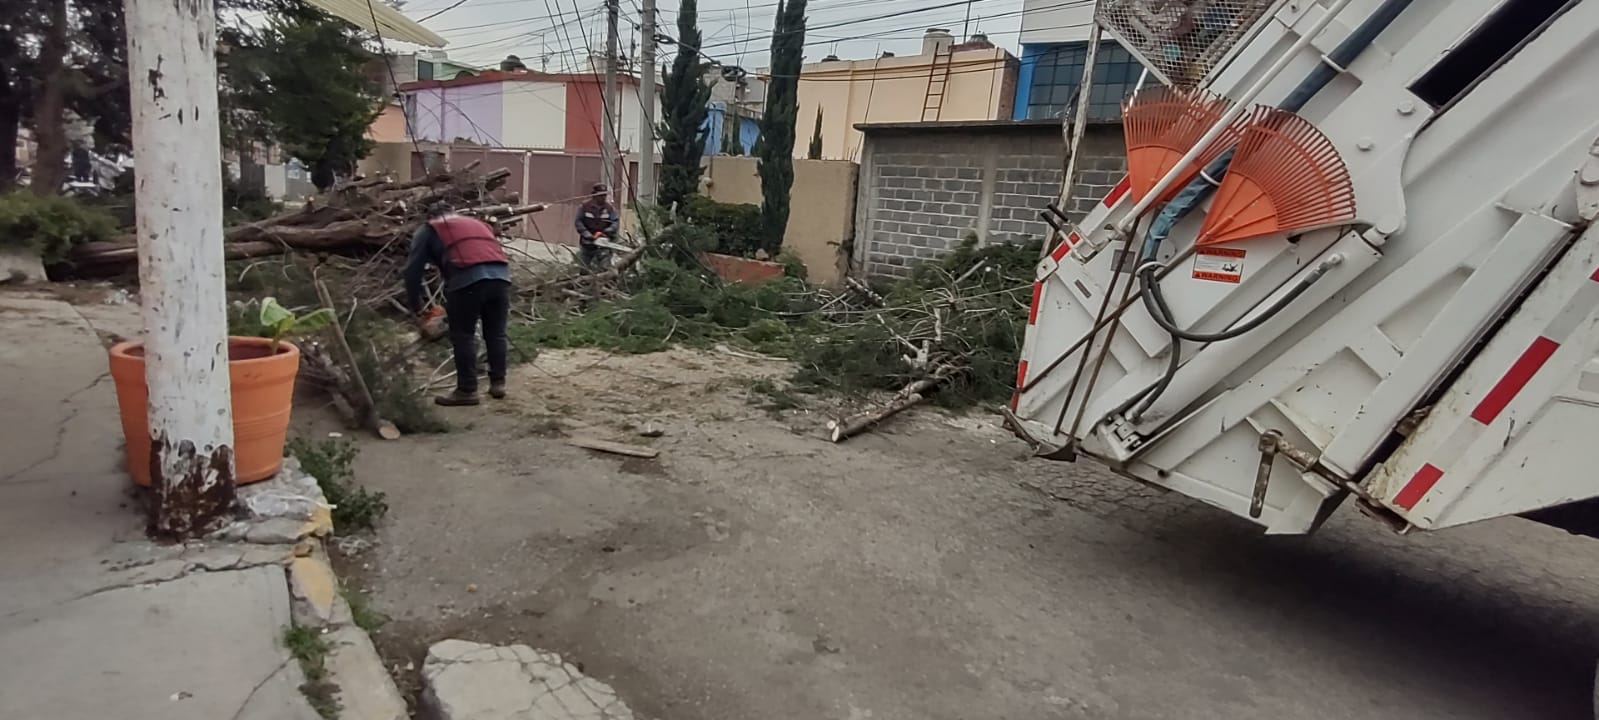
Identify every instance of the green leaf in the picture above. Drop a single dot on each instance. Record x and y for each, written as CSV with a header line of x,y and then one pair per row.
x,y
274,315
313,321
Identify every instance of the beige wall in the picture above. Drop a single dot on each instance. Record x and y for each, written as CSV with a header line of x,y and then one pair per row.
x,y
980,86
389,126
388,158
821,209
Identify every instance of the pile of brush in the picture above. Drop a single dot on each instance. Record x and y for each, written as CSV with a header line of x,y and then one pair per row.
x,y
360,218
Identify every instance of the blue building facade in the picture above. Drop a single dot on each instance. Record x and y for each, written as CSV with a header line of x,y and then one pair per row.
x,y
748,129
1047,80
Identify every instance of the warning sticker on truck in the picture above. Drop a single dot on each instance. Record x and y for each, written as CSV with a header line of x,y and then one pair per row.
x,y
1219,264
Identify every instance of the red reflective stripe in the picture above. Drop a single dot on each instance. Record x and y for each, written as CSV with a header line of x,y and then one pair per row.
x,y
1032,310
1117,192
1514,379
1595,276
1060,251
1418,486
1074,238
1021,373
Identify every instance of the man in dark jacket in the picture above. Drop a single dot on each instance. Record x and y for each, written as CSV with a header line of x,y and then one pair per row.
x,y
596,219
477,287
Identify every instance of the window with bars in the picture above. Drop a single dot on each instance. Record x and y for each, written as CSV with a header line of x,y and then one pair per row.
x,y
1059,70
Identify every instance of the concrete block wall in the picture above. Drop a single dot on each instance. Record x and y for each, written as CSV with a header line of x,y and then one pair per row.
x,y
923,190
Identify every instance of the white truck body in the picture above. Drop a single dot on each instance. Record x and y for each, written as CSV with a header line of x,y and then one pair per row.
x,y
1443,365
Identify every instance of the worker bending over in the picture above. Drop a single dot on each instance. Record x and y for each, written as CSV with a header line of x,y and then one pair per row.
x,y
477,287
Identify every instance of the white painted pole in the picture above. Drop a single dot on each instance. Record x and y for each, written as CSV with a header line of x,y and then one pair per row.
x,y
646,132
177,152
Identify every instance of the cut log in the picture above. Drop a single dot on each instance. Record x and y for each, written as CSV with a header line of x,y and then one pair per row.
x,y
908,397
614,448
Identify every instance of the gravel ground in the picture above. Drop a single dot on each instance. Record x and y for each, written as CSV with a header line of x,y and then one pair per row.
x,y
929,570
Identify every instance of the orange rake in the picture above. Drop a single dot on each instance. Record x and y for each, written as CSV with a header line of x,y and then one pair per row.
x,y
1285,176
1161,125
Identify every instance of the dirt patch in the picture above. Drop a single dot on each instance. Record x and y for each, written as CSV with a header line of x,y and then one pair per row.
x,y
927,570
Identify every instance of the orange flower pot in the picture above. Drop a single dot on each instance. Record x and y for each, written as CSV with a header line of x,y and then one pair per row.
x,y
263,394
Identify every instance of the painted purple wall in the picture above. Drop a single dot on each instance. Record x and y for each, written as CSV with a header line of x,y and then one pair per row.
x,y
472,112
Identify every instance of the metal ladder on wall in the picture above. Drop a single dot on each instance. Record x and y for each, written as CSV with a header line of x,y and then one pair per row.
x,y
937,81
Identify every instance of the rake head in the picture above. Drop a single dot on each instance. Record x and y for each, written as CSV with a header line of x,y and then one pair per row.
x,y
1285,176
1161,125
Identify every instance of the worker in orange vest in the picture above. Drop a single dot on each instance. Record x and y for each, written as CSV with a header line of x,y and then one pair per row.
x,y
477,289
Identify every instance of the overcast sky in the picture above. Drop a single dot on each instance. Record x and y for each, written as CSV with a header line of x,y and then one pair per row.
x,y
482,32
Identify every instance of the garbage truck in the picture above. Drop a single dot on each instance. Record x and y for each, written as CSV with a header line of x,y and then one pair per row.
x,y
1354,259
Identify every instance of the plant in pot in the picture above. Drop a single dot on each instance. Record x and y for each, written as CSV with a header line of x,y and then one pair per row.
x,y
261,369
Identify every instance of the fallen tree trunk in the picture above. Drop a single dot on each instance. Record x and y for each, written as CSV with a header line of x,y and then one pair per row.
x,y
909,396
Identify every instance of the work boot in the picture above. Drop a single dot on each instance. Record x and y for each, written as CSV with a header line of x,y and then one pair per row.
x,y
497,389
458,398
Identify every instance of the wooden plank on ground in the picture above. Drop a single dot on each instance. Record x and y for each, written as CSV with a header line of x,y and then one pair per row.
x,y
615,448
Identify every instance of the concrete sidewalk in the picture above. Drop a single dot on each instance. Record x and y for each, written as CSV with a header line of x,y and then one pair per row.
x,y
95,622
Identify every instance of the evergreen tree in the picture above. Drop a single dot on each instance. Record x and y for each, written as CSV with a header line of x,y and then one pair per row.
x,y
301,83
815,152
683,102
776,165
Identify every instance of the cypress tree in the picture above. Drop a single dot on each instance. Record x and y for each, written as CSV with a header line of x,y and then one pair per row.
x,y
776,163
815,151
683,100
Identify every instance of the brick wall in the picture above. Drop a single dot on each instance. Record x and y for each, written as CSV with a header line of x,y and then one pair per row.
x,y
923,189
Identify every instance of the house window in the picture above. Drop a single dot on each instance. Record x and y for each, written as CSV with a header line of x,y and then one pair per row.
x,y
1059,70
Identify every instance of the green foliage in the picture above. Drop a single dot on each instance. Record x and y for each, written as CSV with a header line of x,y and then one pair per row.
x,y
307,646
737,227
280,322
398,395
361,611
792,266
51,225
815,150
776,149
300,83
969,308
683,98
332,463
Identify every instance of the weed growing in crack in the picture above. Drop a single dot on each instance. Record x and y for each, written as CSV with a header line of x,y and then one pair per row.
x,y
332,463
307,647
362,613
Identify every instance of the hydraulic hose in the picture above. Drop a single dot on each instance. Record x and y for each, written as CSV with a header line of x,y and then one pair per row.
x,y
1155,303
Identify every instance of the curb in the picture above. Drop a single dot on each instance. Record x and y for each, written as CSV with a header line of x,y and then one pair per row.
x,y
290,509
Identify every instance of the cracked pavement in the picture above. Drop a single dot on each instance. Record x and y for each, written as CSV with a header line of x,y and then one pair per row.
x,y
92,616
475,681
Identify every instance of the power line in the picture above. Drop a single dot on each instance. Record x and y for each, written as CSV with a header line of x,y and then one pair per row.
x,y
452,6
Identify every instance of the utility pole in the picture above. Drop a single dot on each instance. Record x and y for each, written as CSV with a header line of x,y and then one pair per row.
x,y
608,144
646,132
177,146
